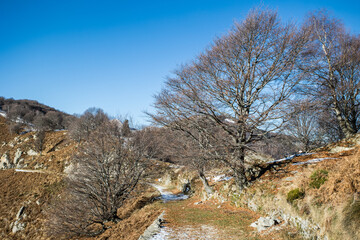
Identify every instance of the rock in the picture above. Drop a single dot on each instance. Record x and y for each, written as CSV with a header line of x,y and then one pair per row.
x,y
340,149
154,228
32,153
186,188
38,166
20,212
252,206
17,156
264,223
5,161
18,226
197,203
289,179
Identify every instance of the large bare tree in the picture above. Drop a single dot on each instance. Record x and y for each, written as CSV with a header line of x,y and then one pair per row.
x,y
333,64
233,93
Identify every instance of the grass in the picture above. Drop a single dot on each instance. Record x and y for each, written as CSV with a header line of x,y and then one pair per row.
x,y
294,195
318,178
351,220
228,222
54,188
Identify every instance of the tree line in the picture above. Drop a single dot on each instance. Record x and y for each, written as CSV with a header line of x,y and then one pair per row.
x,y
22,114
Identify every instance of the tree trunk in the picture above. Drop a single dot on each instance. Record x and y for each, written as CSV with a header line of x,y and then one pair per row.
x,y
207,187
240,178
239,170
345,126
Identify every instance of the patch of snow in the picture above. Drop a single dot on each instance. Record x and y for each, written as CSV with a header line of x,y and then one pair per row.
x,y
2,113
290,157
168,196
26,170
312,161
221,177
203,232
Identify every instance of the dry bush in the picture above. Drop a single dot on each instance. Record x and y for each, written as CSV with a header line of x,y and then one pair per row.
x,y
105,171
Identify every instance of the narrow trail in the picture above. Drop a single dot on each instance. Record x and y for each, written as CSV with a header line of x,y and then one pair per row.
x,y
189,218
167,196
181,232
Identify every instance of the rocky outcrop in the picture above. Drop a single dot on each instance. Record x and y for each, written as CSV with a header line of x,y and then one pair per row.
x,y
153,229
18,225
263,223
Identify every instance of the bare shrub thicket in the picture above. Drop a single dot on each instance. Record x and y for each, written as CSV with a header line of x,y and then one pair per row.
x,y
239,85
105,170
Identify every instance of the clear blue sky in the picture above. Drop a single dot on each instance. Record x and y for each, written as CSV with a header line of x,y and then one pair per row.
x,y
72,54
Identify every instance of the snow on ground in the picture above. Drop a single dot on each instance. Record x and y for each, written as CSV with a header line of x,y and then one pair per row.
x,y
2,113
168,196
27,170
312,161
202,232
291,157
221,177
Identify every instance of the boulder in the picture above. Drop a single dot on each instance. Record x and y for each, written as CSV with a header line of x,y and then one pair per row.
x,y
264,223
18,226
5,161
32,153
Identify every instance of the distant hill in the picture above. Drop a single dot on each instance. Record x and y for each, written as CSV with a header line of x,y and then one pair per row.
x,y
32,114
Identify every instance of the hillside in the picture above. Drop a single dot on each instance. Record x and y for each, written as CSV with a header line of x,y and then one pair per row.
x,y
314,195
29,114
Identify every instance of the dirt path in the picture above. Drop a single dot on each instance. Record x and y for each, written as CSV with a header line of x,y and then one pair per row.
x,y
192,219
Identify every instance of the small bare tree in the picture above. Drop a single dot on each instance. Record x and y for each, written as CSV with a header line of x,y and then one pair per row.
x,y
126,128
106,170
303,124
39,141
239,86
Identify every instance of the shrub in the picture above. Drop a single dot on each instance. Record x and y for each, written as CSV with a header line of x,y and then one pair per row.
x,y
318,178
295,194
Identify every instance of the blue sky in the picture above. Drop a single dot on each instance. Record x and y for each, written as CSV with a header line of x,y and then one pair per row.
x,y
73,54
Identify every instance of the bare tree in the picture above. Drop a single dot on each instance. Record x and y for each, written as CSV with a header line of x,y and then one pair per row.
x,y
303,124
39,141
177,146
89,121
105,172
333,64
126,128
239,86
